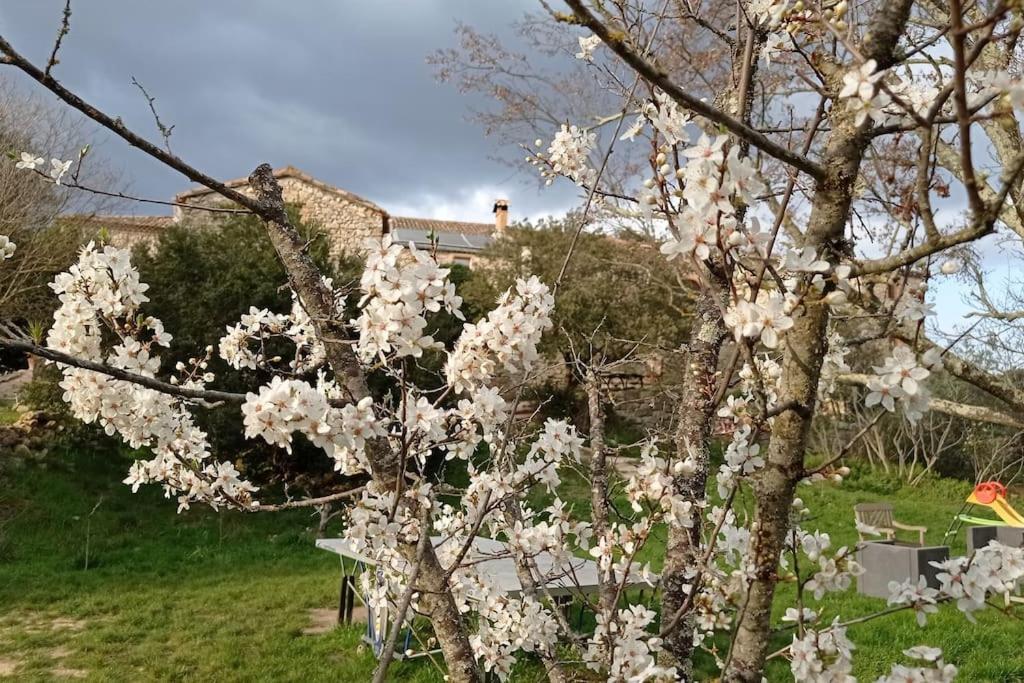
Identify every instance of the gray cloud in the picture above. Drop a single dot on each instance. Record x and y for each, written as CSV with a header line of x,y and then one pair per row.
x,y
339,89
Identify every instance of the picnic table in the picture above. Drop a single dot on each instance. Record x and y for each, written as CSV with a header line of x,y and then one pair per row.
x,y
493,558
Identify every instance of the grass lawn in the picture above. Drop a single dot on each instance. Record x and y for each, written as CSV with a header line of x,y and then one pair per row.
x,y
8,415
206,597
197,596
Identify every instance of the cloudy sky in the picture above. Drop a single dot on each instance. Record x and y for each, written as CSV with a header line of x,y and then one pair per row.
x,y
340,89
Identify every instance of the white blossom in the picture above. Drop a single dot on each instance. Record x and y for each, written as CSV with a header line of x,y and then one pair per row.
x,y
587,46
29,161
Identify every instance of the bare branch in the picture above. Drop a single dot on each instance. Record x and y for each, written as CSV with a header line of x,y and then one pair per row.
x,y
650,72
118,373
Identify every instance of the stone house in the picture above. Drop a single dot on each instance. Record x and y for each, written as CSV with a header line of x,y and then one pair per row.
x,y
345,218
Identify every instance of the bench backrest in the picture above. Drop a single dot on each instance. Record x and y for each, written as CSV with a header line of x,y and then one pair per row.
x,y
878,515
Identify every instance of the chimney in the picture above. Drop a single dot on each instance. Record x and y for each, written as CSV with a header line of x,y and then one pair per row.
x,y
500,216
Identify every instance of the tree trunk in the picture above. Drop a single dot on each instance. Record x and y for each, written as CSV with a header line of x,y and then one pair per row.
x,y
599,485
318,300
693,439
697,403
801,363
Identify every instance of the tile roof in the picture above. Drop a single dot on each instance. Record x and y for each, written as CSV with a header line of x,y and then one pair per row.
x,y
284,172
472,235
428,224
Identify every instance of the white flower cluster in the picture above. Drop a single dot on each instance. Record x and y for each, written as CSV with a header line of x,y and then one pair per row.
x,y
587,46
900,379
920,596
822,656
765,320
667,118
996,568
286,406
7,247
703,190
507,338
834,574
654,481
102,292
569,155
770,12
833,364
634,650
860,86
936,671
400,288
373,532
508,625
260,325
742,458
557,442
31,162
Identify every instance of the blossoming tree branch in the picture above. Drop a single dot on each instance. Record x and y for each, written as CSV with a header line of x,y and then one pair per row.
x,y
792,233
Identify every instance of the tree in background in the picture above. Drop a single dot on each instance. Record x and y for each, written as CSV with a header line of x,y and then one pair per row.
x,y
29,209
618,298
619,308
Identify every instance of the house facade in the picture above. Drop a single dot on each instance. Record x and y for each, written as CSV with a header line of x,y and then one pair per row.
x,y
346,219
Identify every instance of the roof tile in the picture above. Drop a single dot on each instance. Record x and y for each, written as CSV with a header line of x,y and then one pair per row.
x,y
428,224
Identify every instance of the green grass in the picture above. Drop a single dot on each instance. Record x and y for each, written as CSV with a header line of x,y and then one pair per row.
x,y
191,597
8,415
223,597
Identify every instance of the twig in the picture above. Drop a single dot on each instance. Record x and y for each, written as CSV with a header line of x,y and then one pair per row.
x,y
311,502
389,648
165,131
604,164
65,28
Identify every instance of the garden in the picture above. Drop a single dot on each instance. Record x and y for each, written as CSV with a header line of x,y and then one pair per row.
x,y
737,396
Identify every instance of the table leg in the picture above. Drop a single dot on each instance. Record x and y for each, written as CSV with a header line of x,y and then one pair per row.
x,y
343,600
350,604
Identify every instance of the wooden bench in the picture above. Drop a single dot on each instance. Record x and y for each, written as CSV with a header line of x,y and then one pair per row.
x,y
879,516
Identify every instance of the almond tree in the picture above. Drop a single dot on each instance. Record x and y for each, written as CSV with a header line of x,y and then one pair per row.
x,y
778,302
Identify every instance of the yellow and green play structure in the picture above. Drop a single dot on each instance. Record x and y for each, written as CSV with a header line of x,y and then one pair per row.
x,y
992,495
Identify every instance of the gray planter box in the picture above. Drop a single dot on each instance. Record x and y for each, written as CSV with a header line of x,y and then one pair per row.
x,y
980,536
885,561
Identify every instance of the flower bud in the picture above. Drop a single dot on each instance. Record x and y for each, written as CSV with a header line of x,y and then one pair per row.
x,y
835,298
950,267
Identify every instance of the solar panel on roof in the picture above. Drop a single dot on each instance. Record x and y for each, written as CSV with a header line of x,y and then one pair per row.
x,y
445,240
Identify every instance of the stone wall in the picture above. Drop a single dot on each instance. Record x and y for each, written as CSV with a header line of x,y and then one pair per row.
x,y
645,392
126,237
346,222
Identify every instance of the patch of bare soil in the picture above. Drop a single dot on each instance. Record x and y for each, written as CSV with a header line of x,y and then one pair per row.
x,y
8,667
320,621
66,624
324,620
64,672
